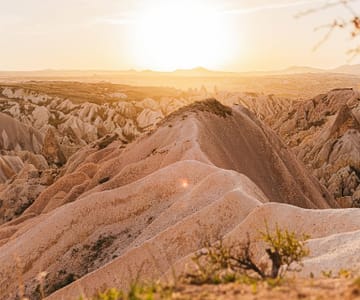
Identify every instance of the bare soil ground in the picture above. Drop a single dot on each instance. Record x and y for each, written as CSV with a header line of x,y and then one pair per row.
x,y
317,289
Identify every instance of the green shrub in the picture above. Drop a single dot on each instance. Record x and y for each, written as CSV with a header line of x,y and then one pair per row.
x,y
285,249
111,294
327,274
136,292
218,263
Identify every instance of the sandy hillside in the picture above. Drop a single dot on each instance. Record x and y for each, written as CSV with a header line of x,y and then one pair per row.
x,y
207,171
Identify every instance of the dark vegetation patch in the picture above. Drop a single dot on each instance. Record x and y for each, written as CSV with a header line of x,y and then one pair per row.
x,y
102,243
96,250
103,180
55,120
317,123
107,140
5,105
342,89
210,105
63,280
130,137
21,208
355,170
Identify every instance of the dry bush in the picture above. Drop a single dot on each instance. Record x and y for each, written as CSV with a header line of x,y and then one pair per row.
x,y
219,263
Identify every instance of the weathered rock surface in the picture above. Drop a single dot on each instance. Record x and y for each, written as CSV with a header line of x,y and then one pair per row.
x,y
325,134
187,179
110,181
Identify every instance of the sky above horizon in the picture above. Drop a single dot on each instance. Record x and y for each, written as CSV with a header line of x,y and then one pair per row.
x,y
231,35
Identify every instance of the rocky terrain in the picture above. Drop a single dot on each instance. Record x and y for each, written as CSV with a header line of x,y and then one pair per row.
x,y
44,124
324,132
100,181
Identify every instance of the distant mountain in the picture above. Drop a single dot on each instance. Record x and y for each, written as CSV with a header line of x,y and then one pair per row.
x,y
348,69
302,69
195,72
345,69
289,70
198,70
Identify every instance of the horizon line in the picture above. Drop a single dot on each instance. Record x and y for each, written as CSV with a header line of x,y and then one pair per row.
x,y
199,68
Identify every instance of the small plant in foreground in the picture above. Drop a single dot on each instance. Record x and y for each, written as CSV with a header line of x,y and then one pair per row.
x,y
136,292
111,294
149,291
327,274
345,273
285,249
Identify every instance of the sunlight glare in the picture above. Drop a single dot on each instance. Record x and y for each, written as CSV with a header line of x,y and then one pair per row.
x,y
181,35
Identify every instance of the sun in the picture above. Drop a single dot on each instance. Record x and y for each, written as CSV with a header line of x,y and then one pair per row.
x,y
183,34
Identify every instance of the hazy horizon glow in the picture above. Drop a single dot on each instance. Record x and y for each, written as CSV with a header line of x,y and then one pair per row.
x,y
168,34
181,36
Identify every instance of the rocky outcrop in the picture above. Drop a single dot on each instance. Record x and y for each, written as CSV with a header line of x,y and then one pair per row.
x,y
149,118
51,149
17,195
41,116
20,144
16,136
52,121
78,123
325,134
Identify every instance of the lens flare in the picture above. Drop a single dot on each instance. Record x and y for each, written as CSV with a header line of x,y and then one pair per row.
x,y
184,183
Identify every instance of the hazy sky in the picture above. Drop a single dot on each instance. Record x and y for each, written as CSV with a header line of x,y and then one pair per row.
x,y
236,35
